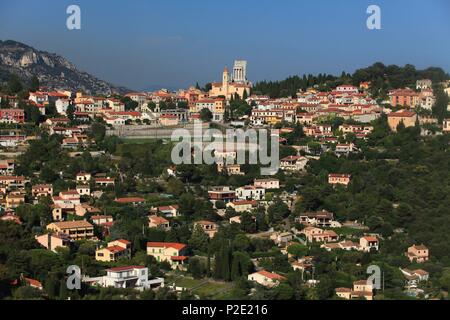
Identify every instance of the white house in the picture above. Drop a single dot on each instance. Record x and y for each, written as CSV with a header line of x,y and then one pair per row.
x,y
413,277
267,183
126,277
84,189
62,105
369,243
293,163
265,278
347,88
250,193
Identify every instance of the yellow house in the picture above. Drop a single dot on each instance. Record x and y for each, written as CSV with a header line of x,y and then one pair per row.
x,y
114,251
14,200
155,221
361,289
42,190
171,252
408,118
216,106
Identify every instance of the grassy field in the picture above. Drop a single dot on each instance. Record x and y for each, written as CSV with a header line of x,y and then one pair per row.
x,y
206,289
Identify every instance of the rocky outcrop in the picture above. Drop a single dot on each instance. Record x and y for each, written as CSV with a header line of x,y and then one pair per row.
x,y
53,71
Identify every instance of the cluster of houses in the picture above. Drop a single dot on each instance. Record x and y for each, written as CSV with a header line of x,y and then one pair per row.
x,y
165,108
346,101
422,97
74,219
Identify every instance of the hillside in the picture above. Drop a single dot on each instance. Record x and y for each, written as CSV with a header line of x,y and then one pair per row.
x,y
53,71
382,79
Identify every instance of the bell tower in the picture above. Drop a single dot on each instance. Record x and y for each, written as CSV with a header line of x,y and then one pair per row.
x,y
225,81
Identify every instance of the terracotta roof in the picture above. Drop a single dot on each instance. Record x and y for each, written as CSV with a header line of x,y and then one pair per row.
x,y
175,245
346,290
123,241
40,186
167,208
71,224
101,217
271,275
130,200
419,247
33,282
291,158
157,220
371,238
420,272
114,249
20,178
69,192
118,269
178,258
402,114
244,202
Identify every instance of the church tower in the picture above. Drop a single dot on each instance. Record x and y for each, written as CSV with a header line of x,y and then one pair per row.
x,y
225,81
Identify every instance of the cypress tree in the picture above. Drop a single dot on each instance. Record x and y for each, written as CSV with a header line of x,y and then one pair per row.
x,y
236,270
63,290
226,272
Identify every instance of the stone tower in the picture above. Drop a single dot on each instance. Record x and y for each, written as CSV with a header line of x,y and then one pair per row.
x,y
240,71
225,80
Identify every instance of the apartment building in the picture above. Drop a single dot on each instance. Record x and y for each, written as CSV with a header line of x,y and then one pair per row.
x,y
76,230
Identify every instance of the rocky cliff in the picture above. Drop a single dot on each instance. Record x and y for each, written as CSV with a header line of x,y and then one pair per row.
x,y
53,71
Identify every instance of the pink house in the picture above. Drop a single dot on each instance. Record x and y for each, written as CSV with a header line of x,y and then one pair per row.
x,y
418,253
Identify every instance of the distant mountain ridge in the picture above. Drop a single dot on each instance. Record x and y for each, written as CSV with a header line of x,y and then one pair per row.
x,y
53,71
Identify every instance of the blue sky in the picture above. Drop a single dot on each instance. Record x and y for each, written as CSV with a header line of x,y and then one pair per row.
x,y
175,43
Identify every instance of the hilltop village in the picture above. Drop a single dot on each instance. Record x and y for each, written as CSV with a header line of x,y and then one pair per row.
x,y
363,180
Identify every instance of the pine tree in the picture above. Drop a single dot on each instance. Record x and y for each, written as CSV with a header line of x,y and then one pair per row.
x,y
199,239
14,84
34,86
244,95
